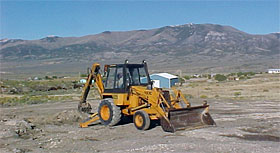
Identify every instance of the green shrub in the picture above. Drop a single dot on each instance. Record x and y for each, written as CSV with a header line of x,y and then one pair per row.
x,y
83,75
251,73
245,74
220,77
187,77
181,80
47,78
236,94
239,74
242,78
203,96
231,74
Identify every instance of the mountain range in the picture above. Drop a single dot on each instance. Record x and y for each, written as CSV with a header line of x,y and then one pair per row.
x,y
188,47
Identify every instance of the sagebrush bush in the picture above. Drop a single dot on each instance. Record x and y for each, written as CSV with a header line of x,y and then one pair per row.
x,y
220,77
203,96
236,94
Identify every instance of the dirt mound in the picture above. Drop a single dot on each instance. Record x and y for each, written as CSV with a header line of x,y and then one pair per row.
x,y
20,129
23,127
64,117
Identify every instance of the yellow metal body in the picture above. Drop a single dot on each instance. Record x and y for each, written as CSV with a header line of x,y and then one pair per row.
x,y
152,101
140,98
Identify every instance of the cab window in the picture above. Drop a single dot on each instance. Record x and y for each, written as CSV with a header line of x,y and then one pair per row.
x,y
135,75
110,78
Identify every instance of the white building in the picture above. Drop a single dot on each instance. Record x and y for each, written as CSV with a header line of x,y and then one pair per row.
x,y
83,81
162,80
273,70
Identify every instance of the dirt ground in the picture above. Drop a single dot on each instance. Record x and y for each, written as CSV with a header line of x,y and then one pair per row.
x,y
242,126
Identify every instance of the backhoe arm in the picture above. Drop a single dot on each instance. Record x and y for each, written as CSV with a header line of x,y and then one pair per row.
x,y
96,76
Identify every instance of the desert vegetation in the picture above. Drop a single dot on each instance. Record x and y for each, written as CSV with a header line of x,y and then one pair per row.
x,y
50,124
242,86
40,90
249,86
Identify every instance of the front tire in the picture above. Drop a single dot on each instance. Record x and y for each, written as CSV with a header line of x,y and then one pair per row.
x,y
141,120
109,114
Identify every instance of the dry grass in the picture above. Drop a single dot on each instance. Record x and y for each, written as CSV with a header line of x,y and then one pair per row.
x,y
259,87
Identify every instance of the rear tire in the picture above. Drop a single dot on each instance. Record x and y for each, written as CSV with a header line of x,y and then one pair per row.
x,y
141,120
109,114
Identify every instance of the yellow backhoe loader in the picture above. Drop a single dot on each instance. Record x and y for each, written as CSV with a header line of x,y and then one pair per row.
x,y
127,90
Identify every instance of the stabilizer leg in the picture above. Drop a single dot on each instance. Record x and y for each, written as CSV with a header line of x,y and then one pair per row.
x,y
94,117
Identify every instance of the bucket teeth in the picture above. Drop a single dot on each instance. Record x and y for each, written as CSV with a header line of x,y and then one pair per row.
x,y
166,126
84,107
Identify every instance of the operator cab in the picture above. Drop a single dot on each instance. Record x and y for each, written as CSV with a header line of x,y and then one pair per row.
x,y
119,77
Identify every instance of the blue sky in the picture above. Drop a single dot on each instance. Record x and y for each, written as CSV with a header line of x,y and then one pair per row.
x,y
35,20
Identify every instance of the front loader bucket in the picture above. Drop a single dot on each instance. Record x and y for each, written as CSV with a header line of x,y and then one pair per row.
x,y
187,118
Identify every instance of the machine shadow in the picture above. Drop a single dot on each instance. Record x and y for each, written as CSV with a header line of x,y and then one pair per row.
x,y
129,120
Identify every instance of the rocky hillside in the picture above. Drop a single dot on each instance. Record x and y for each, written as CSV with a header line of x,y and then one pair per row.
x,y
187,44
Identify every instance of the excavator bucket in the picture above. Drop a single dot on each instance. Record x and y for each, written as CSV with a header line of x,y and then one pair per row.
x,y
187,118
